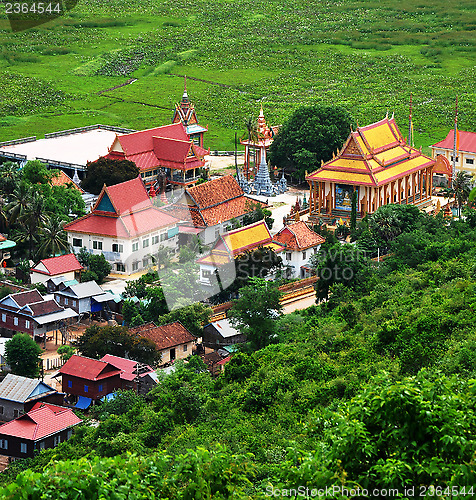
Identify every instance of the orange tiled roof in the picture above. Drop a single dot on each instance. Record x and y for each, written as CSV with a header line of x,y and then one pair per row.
x,y
61,179
372,156
298,236
164,336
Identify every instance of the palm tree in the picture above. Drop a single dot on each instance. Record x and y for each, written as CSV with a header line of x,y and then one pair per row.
x,y
9,177
20,200
461,188
53,238
253,137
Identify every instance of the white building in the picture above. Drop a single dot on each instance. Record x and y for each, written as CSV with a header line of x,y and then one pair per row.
x,y
125,227
465,155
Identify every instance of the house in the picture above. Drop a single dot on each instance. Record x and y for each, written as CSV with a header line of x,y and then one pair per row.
x,y
379,165
44,426
209,208
18,395
83,298
232,244
64,265
300,243
169,148
59,283
173,340
465,154
138,377
125,227
29,312
221,333
89,378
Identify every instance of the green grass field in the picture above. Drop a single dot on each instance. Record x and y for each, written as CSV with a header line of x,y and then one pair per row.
x,y
367,56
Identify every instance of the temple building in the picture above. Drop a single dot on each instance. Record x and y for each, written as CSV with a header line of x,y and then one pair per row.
x,y
185,114
376,162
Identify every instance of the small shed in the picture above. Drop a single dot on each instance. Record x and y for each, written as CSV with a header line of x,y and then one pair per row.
x,y
221,333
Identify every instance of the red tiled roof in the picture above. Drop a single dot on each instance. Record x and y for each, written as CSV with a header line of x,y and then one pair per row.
x,y
30,297
211,193
59,265
45,307
138,142
298,236
126,196
40,423
88,368
165,336
467,141
126,226
228,210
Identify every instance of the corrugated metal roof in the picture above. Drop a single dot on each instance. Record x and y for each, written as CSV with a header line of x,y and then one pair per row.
x,y
20,389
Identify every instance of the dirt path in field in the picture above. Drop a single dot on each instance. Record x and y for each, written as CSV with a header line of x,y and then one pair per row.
x,y
131,80
200,80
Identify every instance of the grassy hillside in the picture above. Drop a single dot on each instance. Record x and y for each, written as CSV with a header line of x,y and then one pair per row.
x,y
367,56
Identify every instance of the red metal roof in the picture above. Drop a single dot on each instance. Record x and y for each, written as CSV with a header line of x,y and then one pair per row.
x,y
467,141
88,368
40,423
59,265
125,226
171,149
165,336
126,196
127,366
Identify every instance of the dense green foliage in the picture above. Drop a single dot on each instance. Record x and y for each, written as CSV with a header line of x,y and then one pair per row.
x,y
105,171
22,354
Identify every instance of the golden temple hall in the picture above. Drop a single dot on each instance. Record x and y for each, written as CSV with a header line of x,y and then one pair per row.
x,y
376,162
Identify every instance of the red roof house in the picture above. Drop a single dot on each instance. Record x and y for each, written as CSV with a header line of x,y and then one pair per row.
x,y
63,265
90,378
45,426
121,226
465,155
169,147
173,340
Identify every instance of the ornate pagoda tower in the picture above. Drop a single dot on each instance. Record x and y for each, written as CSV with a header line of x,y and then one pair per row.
x,y
185,113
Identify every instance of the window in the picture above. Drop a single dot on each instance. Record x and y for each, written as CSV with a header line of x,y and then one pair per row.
x,y
155,240
288,256
77,242
86,388
70,384
57,298
185,347
4,444
121,267
142,175
4,318
1,410
304,255
135,266
42,445
27,324
145,261
73,303
69,434
57,440
163,236
145,243
16,413
15,321
117,247
172,354
469,161
135,246
206,273
100,388
23,448
217,233
66,301
97,245
457,159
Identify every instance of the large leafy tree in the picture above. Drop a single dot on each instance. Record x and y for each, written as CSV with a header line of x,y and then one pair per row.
x,y
118,341
109,172
256,310
461,188
310,135
22,354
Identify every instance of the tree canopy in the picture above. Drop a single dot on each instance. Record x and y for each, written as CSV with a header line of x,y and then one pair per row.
x,y
22,354
109,172
310,135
